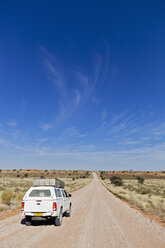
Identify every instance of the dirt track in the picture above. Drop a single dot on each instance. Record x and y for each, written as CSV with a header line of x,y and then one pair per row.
x,y
98,220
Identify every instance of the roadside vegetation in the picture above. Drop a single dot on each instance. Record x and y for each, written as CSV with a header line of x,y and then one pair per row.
x,y
145,193
15,183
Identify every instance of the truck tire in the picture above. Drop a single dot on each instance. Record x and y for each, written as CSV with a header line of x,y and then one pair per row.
x,y
28,221
58,220
68,213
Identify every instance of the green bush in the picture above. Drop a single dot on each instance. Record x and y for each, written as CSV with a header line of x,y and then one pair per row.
x,y
102,175
26,175
6,196
82,176
73,178
140,180
117,181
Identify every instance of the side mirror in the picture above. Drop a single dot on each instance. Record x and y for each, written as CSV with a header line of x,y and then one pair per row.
x,y
69,195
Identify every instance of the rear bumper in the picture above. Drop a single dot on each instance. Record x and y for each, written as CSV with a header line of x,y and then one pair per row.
x,y
45,214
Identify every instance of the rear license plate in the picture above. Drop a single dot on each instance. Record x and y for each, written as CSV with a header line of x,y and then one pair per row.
x,y
38,214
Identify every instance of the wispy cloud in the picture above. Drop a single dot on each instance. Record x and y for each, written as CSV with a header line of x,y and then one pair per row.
x,y
131,143
81,135
75,88
3,142
16,133
77,97
56,76
144,158
12,123
7,144
104,114
118,117
45,126
128,130
70,132
42,140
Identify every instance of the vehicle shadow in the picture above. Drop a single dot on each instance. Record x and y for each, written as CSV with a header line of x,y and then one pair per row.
x,y
39,222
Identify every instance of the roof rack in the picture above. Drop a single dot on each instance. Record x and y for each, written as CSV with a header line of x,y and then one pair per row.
x,y
49,182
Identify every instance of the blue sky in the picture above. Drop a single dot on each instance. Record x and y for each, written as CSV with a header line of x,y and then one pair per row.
x,y
82,85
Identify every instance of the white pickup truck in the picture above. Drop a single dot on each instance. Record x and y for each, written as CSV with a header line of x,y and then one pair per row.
x,y
48,201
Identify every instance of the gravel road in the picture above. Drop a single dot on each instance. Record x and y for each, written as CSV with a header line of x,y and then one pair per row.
x,y
99,219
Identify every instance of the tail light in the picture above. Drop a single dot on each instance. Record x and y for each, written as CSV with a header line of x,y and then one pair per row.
x,y
54,206
23,205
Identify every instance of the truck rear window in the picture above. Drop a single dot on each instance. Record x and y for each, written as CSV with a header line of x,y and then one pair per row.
x,y
40,193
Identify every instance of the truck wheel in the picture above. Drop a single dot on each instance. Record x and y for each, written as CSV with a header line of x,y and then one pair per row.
x,y
68,214
28,221
58,220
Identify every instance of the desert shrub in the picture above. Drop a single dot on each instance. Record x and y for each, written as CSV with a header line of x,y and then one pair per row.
x,y
46,170
73,178
87,173
3,207
14,169
131,188
2,188
117,181
102,175
20,196
82,176
26,175
144,192
140,180
18,175
42,177
6,196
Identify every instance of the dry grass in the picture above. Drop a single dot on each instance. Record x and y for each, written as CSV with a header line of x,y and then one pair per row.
x,y
133,174
150,196
19,185
6,196
44,173
73,185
